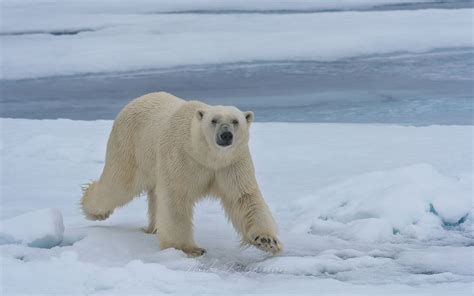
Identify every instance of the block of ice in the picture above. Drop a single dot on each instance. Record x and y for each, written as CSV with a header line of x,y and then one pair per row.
x,y
40,229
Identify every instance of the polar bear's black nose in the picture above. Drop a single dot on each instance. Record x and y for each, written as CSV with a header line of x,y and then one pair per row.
x,y
225,139
227,136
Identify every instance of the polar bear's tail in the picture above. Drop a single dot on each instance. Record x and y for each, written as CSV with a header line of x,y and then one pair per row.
x,y
93,206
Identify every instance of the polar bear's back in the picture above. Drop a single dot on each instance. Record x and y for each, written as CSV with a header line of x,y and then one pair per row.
x,y
153,106
145,116
142,122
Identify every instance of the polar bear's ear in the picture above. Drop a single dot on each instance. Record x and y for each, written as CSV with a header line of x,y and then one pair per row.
x,y
200,114
249,116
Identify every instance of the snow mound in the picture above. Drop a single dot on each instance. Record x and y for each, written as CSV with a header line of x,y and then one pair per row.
x,y
415,201
38,229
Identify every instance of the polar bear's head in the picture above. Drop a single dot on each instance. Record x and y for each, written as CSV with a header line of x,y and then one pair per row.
x,y
224,127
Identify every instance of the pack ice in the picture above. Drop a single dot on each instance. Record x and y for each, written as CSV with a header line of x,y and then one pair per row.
x,y
365,209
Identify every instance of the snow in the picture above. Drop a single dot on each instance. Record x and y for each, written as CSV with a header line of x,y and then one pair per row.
x,y
38,229
78,38
362,209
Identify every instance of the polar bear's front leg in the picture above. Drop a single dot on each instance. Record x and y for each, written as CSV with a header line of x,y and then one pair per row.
x,y
251,217
247,209
174,217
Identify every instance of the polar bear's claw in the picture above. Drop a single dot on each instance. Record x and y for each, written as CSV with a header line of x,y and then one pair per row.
x,y
150,230
267,243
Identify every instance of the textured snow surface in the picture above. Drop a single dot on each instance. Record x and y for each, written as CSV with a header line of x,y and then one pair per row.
x,y
366,209
71,38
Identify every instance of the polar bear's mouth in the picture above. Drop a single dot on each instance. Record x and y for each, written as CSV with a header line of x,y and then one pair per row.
x,y
224,139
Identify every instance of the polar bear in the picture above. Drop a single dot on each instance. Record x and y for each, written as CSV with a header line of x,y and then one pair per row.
x,y
179,152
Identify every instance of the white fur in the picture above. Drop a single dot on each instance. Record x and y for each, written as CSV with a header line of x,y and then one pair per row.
x,y
166,147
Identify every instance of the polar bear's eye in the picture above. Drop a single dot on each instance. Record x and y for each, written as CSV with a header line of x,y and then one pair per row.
x,y
214,121
235,122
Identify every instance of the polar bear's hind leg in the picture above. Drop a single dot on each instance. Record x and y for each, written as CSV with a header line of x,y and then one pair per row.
x,y
100,198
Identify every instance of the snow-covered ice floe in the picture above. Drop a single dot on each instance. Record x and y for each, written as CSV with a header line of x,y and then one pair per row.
x,y
362,208
71,38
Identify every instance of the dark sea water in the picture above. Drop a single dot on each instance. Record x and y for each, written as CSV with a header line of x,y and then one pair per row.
x,y
418,89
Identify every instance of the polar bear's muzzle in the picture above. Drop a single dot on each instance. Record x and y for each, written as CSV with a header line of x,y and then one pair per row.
x,y
224,136
225,139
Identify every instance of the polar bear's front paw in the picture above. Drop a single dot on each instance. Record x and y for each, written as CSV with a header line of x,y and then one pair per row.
x,y
267,243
